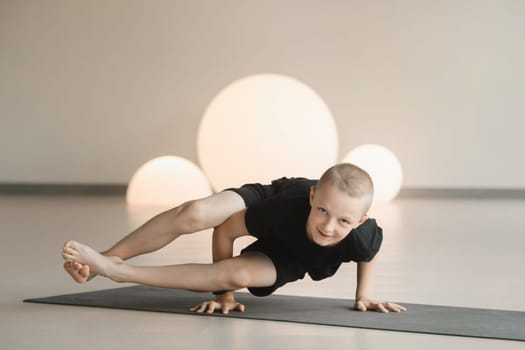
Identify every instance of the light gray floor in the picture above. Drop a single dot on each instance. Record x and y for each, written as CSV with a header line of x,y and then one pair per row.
x,y
446,252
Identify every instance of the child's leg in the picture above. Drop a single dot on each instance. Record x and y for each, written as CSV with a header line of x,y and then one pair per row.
x,y
189,217
252,269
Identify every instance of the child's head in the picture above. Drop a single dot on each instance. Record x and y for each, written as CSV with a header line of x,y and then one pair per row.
x,y
339,202
351,180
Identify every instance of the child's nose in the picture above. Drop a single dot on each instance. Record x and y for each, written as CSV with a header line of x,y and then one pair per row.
x,y
329,225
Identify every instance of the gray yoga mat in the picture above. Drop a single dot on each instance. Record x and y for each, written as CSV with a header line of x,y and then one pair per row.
x,y
443,320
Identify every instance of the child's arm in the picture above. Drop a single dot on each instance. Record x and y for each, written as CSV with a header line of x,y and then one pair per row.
x,y
363,291
222,248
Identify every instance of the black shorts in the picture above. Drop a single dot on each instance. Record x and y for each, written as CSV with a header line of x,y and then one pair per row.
x,y
256,192
287,269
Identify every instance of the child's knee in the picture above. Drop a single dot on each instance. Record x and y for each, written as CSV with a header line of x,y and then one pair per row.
x,y
193,214
240,278
231,275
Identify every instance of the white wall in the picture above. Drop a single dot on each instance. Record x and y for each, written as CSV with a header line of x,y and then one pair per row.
x,y
90,90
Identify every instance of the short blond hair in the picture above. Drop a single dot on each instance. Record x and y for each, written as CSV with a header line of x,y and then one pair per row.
x,y
352,180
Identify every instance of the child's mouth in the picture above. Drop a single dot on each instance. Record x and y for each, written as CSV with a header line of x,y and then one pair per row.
x,y
323,234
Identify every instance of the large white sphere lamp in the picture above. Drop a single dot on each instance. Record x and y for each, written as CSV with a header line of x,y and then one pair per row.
x,y
263,127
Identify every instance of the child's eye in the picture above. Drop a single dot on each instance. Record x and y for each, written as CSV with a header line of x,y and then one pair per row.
x,y
323,210
345,222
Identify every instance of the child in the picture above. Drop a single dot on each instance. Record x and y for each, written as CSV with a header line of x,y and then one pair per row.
x,y
302,226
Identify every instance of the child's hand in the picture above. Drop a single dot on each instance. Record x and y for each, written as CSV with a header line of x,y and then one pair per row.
x,y
223,303
381,306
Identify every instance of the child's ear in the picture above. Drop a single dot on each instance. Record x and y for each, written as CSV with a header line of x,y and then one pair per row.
x,y
363,219
312,194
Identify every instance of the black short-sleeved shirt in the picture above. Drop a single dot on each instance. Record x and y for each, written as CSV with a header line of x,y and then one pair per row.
x,y
281,220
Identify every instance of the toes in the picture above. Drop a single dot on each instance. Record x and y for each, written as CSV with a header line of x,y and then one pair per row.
x,y
68,257
71,244
72,266
69,250
75,266
84,271
78,275
69,254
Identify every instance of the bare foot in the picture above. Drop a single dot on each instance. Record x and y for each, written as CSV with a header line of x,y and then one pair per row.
x,y
82,260
79,272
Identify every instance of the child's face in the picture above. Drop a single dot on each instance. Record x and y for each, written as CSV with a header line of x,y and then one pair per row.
x,y
333,215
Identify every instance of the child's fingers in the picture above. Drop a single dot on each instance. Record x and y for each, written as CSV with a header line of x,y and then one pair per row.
x,y
239,307
396,307
382,307
208,307
200,308
225,309
360,306
212,306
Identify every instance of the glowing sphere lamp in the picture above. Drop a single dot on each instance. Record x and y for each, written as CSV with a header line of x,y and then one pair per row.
x,y
263,127
165,182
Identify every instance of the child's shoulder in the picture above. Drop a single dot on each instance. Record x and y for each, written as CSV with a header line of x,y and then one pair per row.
x,y
367,239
